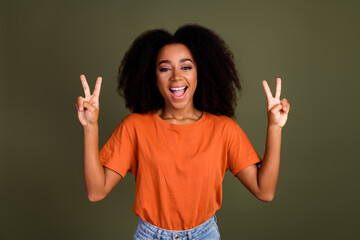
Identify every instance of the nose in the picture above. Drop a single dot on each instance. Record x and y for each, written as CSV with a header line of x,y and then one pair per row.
x,y
176,76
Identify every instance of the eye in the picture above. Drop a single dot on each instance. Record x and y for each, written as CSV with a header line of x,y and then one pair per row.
x,y
187,68
164,69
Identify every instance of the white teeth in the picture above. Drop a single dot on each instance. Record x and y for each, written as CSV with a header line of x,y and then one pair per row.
x,y
177,89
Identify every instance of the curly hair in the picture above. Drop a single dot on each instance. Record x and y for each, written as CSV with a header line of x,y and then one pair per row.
x,y
216,73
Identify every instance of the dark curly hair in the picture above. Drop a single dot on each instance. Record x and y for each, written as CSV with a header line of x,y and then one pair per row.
x,y
217,77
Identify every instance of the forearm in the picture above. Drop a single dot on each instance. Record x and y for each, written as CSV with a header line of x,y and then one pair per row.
x,y
262,182
269,170
94,173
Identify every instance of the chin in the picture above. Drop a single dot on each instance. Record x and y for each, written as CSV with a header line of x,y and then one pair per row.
x,y
178,105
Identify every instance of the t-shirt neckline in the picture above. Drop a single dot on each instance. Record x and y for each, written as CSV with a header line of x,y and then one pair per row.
x,y
180,126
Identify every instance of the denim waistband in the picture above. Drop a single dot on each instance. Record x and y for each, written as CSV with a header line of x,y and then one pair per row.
x,y
156,232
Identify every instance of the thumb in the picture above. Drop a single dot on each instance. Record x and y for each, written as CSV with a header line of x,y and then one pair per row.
x,y
286,105
88,106
276,108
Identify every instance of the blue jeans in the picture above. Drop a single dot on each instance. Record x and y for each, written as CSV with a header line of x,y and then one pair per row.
x,y
206,231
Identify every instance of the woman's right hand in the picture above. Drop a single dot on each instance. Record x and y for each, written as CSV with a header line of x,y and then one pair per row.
x,y
88,107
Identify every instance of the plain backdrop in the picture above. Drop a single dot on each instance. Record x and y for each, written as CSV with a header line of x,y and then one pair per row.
x,y
312,45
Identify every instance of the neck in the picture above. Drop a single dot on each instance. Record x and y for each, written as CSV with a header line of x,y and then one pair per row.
x,y
180,116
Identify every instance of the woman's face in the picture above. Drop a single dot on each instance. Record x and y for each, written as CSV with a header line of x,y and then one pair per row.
x,y
176,75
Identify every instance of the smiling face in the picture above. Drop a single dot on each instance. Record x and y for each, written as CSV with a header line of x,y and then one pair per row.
x,y
176,76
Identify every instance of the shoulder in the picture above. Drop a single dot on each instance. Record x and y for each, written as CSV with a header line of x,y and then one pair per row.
x,y
133,123
227,126
137,119
222,120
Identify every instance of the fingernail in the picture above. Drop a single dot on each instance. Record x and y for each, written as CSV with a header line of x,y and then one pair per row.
x,y
81,108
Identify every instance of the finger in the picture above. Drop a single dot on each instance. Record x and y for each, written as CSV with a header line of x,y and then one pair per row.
x,y
278,88
85,86
88,106
82,121
80,103
286,105
267,90
276,108
97,89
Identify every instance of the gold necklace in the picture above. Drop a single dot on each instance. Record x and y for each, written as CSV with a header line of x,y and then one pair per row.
x,y
169,118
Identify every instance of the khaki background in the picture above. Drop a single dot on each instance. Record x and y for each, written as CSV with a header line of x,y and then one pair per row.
x,y
312,45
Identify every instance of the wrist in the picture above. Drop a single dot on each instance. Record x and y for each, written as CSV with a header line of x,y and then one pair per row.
x,y
274,128
90,127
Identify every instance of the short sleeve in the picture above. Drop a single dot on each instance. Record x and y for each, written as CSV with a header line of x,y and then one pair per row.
x,y
118,153
241,153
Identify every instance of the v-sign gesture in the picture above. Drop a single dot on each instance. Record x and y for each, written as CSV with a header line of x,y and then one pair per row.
x,y
277,109
88,107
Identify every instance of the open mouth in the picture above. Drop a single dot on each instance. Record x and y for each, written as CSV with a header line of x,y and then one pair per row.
x,y
178,92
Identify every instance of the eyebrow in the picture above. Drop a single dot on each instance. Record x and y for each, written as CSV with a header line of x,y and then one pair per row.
x,y
181,60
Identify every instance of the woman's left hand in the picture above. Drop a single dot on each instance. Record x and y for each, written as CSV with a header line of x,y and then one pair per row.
x,y
277,109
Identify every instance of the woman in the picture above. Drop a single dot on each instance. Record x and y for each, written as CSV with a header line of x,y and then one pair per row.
x,y
180,139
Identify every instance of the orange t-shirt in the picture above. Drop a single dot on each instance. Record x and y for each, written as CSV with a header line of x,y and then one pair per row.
x,y
178,169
